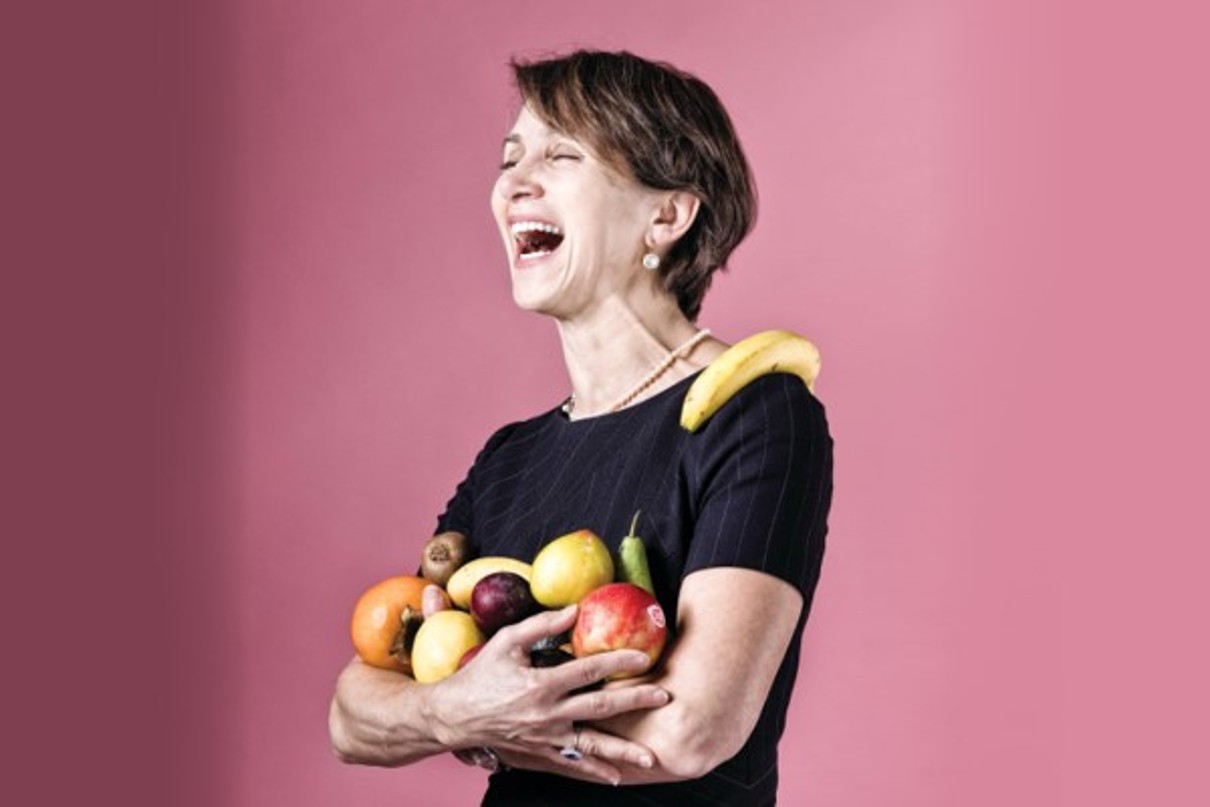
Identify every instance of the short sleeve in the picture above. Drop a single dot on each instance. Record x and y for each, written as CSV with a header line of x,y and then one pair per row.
x,y
459,511
762,483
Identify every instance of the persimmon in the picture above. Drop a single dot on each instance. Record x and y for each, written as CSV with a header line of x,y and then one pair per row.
x,y
385,621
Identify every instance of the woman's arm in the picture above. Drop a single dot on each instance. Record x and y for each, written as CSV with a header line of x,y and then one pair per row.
x,y
734,626
378,717
760,471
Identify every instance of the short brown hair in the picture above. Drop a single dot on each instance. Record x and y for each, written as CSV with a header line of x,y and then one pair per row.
x,y
665,128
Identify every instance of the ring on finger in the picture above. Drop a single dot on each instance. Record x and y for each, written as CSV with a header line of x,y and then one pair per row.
x,y
572,753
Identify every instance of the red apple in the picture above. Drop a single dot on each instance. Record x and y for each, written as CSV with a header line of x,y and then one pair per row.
x,y
620,616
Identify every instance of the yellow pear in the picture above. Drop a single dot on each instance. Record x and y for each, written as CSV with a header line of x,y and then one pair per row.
x,y
442,639
569,567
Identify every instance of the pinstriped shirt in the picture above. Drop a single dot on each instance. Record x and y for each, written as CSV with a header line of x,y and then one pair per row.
x,y
751,489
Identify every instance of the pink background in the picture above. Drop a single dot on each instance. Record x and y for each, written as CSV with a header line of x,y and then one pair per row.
x,y
264,325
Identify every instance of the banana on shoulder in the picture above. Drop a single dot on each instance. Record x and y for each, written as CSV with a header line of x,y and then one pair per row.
x,y
776,351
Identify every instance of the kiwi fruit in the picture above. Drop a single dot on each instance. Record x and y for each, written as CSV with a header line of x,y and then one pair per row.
x,y
443,555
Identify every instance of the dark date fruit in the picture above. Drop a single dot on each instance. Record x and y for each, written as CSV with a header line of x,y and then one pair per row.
x,y
552,642
549,657
500,599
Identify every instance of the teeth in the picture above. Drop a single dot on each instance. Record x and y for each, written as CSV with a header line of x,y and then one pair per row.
x,y
530,226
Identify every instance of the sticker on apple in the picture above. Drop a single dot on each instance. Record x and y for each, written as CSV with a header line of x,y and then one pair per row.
x,y
657,615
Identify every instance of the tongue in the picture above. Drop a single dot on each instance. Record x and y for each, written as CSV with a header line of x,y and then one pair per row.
x,y
538,241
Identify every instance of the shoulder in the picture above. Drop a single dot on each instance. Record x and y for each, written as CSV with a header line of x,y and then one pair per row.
x,y
518,432
776,402
771,426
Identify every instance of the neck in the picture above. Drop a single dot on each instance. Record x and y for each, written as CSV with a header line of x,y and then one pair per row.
x,y
611,351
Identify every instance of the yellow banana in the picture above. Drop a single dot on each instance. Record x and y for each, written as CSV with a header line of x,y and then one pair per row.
x,y
741,364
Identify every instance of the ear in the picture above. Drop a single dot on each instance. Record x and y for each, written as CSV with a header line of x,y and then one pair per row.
x,y
673,217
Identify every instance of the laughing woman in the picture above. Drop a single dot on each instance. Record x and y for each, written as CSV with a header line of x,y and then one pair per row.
x,y
623,189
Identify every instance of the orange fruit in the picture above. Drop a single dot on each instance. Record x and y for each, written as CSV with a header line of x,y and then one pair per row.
x,y
377,621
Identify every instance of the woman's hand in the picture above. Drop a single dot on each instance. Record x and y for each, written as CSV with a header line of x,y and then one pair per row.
x,y
527,714
380,717
589,769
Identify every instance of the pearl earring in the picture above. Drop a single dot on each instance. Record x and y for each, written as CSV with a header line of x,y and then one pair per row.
x,y
651,261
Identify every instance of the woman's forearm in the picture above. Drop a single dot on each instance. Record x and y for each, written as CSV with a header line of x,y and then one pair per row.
x,y
499,700
379,717
719,673
683,747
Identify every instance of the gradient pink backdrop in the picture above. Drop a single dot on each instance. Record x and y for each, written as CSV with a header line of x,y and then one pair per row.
x,y
896,145
382,349
262,324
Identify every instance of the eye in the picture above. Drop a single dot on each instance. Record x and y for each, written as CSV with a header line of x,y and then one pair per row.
x,y
564,154
507,164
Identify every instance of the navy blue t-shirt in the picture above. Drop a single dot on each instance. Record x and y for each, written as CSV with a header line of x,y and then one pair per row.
x,y
751,488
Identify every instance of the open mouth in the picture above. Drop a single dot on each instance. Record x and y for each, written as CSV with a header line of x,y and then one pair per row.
x,y
535,239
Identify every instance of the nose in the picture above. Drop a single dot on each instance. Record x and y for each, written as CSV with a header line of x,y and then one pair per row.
x,y
519,182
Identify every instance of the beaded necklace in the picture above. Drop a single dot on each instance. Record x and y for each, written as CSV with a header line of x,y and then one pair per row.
x,y
676,353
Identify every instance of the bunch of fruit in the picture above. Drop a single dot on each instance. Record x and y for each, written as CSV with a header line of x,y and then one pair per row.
x,y
431,625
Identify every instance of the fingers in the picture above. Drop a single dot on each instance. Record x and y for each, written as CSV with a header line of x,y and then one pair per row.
x,y
432,600
547,623
550,761
604,703
597,746
590,669
598,768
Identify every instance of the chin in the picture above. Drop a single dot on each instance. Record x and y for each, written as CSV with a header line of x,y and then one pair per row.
x,y
534,303
526,302
539,295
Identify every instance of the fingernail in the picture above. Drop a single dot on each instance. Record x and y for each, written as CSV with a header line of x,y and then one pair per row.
x,y
569,609
662,696
646,761
615,782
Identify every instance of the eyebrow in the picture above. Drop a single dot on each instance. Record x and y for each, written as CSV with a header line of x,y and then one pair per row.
x,y
512,138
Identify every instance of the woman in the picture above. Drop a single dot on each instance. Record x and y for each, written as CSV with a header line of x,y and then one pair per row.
x,y
623,188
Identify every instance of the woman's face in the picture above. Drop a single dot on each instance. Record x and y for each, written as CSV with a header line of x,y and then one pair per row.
x,y
573,228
